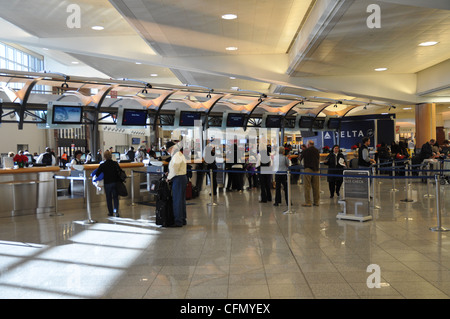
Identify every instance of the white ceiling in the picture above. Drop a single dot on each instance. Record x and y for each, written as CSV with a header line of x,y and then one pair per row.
x,y
305,47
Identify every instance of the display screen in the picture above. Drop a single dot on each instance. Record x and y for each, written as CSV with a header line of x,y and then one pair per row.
x,y
132,117
306,122
274,121
189,118
308,133
334,123
116,155
235,120
67,114
135,140
319,124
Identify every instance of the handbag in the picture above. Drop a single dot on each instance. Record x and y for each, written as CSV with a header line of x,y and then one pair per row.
x,y
121,174
121,189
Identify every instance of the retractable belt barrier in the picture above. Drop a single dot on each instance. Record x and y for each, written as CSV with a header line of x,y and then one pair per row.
x,y
297,170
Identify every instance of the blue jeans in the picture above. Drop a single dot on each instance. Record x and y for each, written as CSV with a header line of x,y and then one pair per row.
x,y
111,196
179,199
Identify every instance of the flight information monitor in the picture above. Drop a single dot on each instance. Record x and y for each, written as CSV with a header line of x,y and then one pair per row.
x,y
67,114
334,123
306,122
134,117
274,121
235,120
189,118
318,124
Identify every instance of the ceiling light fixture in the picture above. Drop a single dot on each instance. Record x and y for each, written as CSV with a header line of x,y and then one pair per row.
x,y
138,62
231,48
97,28
75,62
229,16
153,74
428,43
380,69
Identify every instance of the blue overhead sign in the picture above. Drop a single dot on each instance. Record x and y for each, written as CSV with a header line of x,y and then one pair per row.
x,y
351,133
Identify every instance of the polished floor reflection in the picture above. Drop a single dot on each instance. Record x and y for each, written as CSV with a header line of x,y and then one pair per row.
x,y
238,249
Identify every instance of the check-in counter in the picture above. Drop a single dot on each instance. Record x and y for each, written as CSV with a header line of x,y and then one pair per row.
x,y
78,197
26,191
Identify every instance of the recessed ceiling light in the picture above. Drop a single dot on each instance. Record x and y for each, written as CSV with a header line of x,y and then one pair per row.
x,y
97,28
229,16
232,78
153,74
231,48
407,108
380,69
138,63
428,43
75,62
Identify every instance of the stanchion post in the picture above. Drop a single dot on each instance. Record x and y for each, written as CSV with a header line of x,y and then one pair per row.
x,y
88,201
289,210
132,188
438,207
428,195
373,190
55,185
393,177
407,199
211,201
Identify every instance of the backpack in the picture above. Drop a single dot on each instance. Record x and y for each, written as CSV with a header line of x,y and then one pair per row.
x,y
47,159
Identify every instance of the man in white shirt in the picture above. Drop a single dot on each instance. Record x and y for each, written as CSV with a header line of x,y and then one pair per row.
x,y
177,176
47,158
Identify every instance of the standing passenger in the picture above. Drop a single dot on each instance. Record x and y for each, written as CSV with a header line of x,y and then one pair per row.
x,y
336,164
110,170
177,176
310,157
280,177
265,175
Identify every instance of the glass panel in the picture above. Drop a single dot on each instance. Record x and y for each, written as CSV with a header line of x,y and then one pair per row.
x,y
2,50
10,53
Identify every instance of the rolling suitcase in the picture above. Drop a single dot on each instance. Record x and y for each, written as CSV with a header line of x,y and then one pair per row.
x,y
164,206
189,190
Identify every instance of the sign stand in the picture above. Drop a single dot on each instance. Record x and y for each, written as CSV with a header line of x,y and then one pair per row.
x,y
356,202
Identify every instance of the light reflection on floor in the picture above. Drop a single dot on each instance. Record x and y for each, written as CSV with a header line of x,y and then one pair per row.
x,y
238,249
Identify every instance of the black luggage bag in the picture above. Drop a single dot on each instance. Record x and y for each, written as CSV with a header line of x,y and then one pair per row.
x,y
164,206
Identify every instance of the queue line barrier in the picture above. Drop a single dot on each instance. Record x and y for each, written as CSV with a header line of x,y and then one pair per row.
x,y
436,177
289,172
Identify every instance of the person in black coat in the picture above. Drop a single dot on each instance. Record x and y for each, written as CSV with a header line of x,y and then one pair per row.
x,y
336,164
110,170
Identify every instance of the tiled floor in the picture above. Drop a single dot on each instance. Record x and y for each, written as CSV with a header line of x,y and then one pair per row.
x,y
238,249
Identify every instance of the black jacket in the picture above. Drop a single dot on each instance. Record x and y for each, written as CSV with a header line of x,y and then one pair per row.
x,y
334,168
110,170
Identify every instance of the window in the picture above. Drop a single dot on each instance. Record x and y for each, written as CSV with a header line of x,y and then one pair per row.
x,y
15,59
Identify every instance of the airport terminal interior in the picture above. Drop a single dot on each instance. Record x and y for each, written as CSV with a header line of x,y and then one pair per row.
x,y
82,80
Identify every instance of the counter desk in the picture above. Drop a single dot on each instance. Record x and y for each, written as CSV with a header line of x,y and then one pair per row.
x,y
33,190
72,192
27,190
